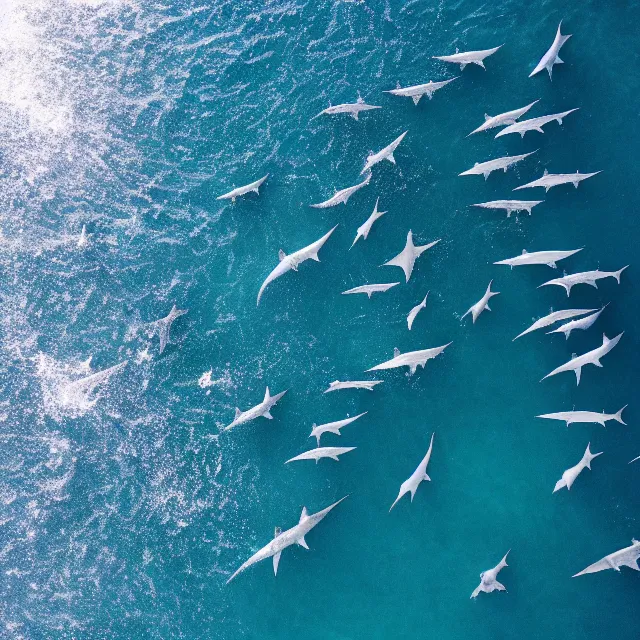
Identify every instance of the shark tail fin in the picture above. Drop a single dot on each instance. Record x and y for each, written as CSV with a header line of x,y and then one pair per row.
x,y
590,456
618,415
617,274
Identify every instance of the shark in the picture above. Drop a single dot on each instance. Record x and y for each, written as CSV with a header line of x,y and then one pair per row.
x,y
406,259
163,326
510,205
342,196
582,323
417,91
293,260
476,309
384,154
364,229
538,257
570,475
485,168
336,385
413,482
352,108
572,417
322,452
489,579
585,277
554,317
415,311
549,180
534,124
468,57
410,359
591,357
502,119
370,289
240,191
285,539
551,57
332,427
261,410
627,557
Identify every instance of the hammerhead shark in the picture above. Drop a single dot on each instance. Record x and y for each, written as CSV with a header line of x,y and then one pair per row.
x,y
510,205
336,385
260,410
534,124
570,475
364,229
163,326
582,323
476,309
341,197
415,311
322,452
406,259
240,191
591,357
410,359
551,57
384,154
556,316
417,91
285,539
585,277
413,482
332,427
293,260
485,168
489,579
468,57
549,180
352,108
502,119
370,289
627,557
538,257
571,417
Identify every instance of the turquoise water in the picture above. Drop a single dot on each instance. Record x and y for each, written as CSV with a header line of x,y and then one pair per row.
x,y
124,517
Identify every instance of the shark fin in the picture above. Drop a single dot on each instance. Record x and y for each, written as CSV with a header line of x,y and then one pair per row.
x,y
426,477
281,255
416,99
396,352
267,415
391,159
276,562
578,372
354,115
303,515
412,369
302,542
238,412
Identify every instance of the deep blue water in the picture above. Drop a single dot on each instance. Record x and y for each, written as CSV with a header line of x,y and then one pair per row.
x,y
124,511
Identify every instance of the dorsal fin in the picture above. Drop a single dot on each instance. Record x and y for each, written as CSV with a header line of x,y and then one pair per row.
x,y
303,515
475,164
281,255
524,251
487,117
546,172
396,352
238,412
359,100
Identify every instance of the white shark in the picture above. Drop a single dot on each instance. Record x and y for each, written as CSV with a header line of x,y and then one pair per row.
x,y
463,58
413,482
364,229
322,452
341,197
489,579
570,475
417,91
384,154
591,357
571,417
485,168
534,124
476,309
163,326
415,311
410,359
352,108
582,323
585,277
551,57
510,205
556,316
538,257
240,191
502,119
285,539
293,260
332,427
370,289
627,557
549,180
336,385
406,259
262,410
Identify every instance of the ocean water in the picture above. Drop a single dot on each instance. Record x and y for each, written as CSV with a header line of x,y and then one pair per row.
x,y
123,508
